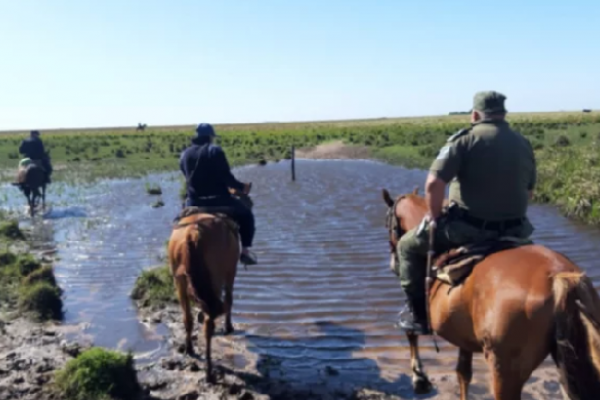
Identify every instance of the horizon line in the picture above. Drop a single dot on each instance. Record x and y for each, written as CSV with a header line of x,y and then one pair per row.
x,y
298,122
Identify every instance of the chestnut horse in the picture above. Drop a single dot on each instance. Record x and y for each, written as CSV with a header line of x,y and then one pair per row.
x,y
517,307
203,254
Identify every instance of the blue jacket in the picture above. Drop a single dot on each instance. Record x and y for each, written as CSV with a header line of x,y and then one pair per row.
x,y
212,176
33,148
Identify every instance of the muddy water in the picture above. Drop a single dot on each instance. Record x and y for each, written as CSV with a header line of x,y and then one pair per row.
x,y
322,295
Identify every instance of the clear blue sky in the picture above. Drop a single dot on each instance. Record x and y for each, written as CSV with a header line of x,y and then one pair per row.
x,y
84,63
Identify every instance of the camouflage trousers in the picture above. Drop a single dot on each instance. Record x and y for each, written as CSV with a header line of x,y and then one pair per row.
x,y
450,232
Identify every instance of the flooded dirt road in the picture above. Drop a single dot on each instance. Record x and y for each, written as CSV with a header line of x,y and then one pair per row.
x,y
322,301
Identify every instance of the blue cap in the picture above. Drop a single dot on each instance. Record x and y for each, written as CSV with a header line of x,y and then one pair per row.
x,y
203,130
34,132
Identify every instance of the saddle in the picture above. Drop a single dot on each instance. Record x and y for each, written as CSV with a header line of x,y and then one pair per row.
x,y
455,265
217,211
24,166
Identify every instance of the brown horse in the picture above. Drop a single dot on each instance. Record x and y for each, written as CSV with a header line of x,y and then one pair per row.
x,y
32,182
203,253
517,307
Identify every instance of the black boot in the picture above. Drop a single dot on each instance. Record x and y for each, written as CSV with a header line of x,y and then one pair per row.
x,y
414,316
247,259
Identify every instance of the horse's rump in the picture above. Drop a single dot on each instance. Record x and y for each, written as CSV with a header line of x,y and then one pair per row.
x,y
31,173
197,249
454,266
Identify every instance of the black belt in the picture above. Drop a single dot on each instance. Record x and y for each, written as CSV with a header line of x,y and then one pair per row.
x,y
491,225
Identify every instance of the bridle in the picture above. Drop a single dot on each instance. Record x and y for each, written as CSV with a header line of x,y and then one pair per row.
x,y
392,223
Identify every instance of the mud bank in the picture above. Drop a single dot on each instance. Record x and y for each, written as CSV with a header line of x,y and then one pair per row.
x,y
30,355
33,345
337,150
179,376
245,375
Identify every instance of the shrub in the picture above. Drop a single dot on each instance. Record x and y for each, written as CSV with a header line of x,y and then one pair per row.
x,y
27,264
11,230
41,300
562,141
98,374
43,274
154,287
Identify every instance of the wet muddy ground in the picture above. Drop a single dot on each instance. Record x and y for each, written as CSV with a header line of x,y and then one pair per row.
x,y
30,354
317,313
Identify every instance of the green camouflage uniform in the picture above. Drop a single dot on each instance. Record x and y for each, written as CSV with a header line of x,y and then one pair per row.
x,y
490,168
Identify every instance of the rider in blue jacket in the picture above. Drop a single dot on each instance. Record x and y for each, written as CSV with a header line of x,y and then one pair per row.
x,y
33,148
208,179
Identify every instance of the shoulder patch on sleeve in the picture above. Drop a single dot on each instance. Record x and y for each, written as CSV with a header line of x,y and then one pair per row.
x,y
443,153
459,134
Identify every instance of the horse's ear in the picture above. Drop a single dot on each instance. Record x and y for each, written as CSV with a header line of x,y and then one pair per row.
x,y
416,190
387,198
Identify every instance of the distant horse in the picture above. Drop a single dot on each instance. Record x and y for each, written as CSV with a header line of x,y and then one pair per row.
x,y
517,306
203,254
32,182
141,127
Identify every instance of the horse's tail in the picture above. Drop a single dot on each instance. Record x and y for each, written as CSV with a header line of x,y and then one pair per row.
x,y
199,276
577,334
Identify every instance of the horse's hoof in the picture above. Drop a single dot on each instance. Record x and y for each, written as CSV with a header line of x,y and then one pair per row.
x,y
200,318
229,330
210,379
422,386
189,350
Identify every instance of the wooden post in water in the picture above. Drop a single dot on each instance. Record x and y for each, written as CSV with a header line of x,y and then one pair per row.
x,y
293,163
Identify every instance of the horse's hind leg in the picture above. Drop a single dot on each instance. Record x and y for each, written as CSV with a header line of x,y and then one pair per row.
x,y
31,202
35,197
507,376
421,383
188,322
464,372
44,197
209,330
228,306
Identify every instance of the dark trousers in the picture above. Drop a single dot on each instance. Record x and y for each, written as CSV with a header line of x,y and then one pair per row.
x,y
47,166
234,209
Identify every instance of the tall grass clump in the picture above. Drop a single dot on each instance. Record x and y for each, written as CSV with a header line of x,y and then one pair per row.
x,y
98,374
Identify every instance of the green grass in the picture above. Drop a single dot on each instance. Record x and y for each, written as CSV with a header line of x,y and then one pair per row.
x,y
408,156
153,189
154,287
41,300
9,230
89,154
85,155
26,284
98,374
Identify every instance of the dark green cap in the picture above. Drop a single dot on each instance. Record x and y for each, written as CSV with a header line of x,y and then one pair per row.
x,y
489,102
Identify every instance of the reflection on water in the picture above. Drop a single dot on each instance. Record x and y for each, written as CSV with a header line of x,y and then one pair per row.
x,y
322,294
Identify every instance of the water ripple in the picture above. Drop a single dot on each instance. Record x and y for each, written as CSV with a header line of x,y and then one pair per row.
x,y
322,293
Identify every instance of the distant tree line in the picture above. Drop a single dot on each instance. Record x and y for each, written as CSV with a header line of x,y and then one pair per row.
x,y
585,110
459,112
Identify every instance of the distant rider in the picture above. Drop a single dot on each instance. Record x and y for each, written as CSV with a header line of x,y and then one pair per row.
x,y
208,179
33,148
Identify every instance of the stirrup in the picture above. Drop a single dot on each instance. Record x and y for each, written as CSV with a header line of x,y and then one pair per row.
x,y
410,324
248,259
414,327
